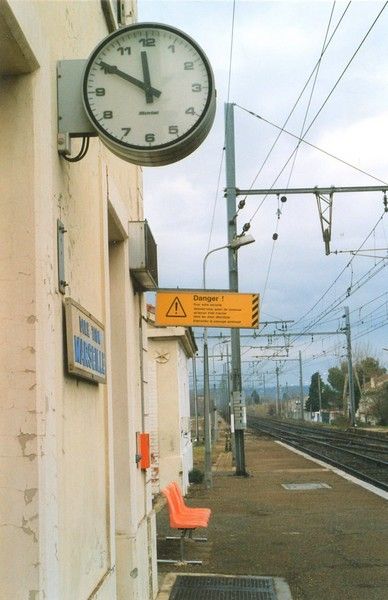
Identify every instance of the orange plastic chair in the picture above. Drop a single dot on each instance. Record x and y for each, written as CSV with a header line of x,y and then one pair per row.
x,y
181,520
183,507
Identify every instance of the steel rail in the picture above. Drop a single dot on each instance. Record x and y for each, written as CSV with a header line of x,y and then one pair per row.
x,y
282,435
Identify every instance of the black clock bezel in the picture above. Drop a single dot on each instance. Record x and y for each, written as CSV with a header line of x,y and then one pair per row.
x,y
176,142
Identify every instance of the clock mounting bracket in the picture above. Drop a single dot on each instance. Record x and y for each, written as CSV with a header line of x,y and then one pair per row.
x,y
72,118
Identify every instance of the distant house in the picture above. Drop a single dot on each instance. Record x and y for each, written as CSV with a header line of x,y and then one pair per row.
x,y
365,412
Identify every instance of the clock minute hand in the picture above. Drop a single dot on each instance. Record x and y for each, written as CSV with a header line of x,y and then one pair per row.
x,y
113,70
147,78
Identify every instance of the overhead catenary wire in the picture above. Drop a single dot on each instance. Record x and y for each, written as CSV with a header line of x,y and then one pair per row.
x,y
367,322
315,147
343,270
337,157
330,93
300,138
365,278
275,236
297,100
311,95
364,321
334,87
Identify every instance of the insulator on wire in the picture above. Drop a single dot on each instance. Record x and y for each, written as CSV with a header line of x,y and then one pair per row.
x,y
246,227
241,204
275,236
283,199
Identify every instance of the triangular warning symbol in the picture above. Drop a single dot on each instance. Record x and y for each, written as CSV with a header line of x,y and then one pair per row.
x,y
176,309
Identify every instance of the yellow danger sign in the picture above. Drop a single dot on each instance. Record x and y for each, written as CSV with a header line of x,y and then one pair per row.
x,y
202,308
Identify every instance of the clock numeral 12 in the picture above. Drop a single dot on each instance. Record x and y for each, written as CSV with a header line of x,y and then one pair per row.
x,y
147,42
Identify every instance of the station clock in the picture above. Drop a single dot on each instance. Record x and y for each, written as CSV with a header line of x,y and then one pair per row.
x,y
148,90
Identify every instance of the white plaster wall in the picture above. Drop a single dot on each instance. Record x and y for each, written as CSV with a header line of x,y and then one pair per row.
x,y
170,459
184,409
153,420
58,500
172,446
19,468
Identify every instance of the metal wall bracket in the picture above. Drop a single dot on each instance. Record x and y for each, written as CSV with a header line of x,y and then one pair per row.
x,y
72,118
325,209
62,283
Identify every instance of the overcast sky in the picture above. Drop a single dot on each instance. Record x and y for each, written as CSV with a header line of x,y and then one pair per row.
x,y
276,46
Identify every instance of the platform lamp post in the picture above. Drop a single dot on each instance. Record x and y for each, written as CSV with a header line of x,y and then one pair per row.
x,y
234,245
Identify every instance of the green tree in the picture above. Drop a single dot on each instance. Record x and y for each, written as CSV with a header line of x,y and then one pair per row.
x,y
312,402
255,397
336,383
367,368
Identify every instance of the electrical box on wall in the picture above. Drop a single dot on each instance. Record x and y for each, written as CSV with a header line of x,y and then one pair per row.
x,y
143,259
143,457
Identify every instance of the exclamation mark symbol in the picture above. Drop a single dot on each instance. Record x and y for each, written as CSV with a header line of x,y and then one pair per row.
x,y
176,309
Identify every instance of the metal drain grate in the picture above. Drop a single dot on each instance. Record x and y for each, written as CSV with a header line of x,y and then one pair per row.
x,y
188,587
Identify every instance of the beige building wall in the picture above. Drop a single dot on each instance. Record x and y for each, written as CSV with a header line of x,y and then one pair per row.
x,y
170,350
76,514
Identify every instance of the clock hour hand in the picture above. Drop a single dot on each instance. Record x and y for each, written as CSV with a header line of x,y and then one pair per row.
x,y
146,76
113,70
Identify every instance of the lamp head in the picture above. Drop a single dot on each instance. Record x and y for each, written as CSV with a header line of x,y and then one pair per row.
x,y
241,240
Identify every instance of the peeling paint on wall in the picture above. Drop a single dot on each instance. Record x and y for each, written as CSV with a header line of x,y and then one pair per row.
x,y
29,494
23,439
27,529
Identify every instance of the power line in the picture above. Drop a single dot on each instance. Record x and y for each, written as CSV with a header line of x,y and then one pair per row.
x,y
302,140
319,111
299,97
342,271
324,102
311,95
371,326
295,156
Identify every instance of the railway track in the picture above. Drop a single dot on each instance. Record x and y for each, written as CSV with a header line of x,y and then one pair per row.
x,y
364,456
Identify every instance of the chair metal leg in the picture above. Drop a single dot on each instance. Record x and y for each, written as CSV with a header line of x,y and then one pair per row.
x,y
178,537
182,560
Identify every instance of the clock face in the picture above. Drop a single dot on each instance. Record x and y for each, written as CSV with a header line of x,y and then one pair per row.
x,y
149,91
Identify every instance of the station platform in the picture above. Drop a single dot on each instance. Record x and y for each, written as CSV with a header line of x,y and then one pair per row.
x,y
307,531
